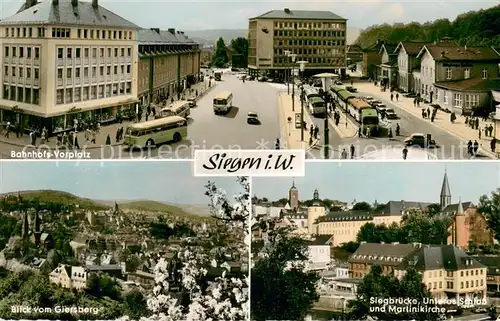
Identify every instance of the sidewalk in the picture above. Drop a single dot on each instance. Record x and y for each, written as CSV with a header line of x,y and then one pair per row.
x,y
458,128
104,131
346,127
291,133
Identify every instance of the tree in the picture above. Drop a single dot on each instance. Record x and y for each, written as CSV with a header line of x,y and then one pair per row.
x,y
377,285
434,209
240,50
220,57
135,305
490,208
362,206
335,208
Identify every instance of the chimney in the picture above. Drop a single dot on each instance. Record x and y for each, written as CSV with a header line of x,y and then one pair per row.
x,y
442,54
74,3
171,30
95,4
287,10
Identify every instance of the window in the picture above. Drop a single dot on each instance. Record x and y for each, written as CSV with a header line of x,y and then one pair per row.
x,y
129,87
78,52
122,69
471,101
484,73
37,53
78,94
28,52
123,52
128,69
6,71
86,52
109,52
101,91
14,51
448,73
115,70
445,101
108,71
93,92
94,52
28,73
85,33
85,93
37,73
94,72
69,95
6,50
101,71
458,102
101,52
13,71
91,34
116,52
21,52
59,53
69,71
79,33
103,34
59,73
129,52
69,52
21,69
466,73
60,96
86,72
77,72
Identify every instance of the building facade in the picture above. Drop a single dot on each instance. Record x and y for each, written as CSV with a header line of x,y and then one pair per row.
x,y
169,62
70,277
318,37
66,62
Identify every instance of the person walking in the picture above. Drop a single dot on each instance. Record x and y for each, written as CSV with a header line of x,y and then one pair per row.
x,y
117,135
360,131
469,147
476,147
108,140
397,96
405,153
277,144
368,132
316,131
343,155
311,130
7,130
479,133
398,129
493,145
392,96
353,150
390,133
93,137
75,143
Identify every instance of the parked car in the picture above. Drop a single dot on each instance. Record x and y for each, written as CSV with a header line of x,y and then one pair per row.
x,y
351,89
391,114
480,310
262,78
253,118
421,140
192,102
251,78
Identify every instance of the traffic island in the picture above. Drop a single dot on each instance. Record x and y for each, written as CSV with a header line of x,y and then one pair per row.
x,y
290,122
346,128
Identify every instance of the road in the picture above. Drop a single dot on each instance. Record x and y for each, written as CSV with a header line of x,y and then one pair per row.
x,y
450,146
209,131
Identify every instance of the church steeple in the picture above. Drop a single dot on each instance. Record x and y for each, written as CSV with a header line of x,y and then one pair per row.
x,y
460,208
445,196
316,201
293,196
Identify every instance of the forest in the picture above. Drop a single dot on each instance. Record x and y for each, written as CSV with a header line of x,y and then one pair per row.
x,y
475,28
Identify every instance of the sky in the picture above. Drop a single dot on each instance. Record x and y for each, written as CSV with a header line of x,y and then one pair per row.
x,y
233,14
171,182
383,182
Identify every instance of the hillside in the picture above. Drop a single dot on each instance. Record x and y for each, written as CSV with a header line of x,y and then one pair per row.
x,y
153,206
475,28
210,36
60,198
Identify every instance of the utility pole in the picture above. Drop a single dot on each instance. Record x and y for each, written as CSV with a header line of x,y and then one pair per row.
x,y
293,56
327,138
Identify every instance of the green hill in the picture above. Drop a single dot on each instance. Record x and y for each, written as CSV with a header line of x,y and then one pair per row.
x,y
50,196
153,206
475,28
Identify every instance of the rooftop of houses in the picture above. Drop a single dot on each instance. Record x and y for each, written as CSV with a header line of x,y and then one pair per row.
x,y
107,267
411,48
447,257
492,263
472,84
346,216
155,36
441,52
300,15
320,240
67,12
453,208
400,207
386,254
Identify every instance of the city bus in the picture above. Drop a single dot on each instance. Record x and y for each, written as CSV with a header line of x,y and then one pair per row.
x,y
156,132
364,113
317,106
310,92
179,108
223,102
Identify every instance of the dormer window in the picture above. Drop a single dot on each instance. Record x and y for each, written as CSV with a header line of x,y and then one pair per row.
x,y
448,73
466,73
484,73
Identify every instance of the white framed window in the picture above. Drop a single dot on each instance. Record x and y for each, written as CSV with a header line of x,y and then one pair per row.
x,y
445,97
60,96
471,101
448,73
484,73
466,73
59,73
437,95
458,100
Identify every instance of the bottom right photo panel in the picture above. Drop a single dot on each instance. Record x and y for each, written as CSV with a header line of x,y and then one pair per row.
x,y
377,241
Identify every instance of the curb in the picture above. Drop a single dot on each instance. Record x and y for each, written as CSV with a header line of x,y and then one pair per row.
x,y
487,154
314,144
337,131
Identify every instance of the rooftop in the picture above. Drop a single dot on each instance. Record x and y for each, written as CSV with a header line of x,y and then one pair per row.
x,y
155,36
460,53
387,254
453,208
472,84
347,216
436,257
300,15
64,13
320,240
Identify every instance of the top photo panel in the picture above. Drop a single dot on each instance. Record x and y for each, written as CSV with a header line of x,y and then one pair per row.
x,y
151,80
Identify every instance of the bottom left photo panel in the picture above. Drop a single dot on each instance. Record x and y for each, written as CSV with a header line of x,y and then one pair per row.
x,y
122,240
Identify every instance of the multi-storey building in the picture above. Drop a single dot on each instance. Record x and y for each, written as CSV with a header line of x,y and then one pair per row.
x,y
169,62
70,277
447,271
64,62
318,37
459,78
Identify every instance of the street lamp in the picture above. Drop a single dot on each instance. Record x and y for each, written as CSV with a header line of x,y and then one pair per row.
x,y
293,56
302,66
287,54
343,304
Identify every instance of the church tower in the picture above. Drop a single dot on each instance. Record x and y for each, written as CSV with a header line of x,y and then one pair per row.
x,y
313,213
460,233
445,196
293,196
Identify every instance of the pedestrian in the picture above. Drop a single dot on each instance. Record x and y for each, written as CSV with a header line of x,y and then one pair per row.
x,y
153,110
360,131
493,144
148,110
469,147
59,140
108,140
479,133
477,123
415,102
397,96
398,129
147,115
343,155
65,139
277,145
405,153
316,131
311,131
368,132
117,135
75,143
423,113
310,140
352,82
42,138
353,150
86,135
7,130
45,133
32,138
476,147
392,96
390,133
93,137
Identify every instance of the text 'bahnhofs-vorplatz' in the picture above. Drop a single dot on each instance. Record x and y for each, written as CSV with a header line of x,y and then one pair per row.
x,y
68,60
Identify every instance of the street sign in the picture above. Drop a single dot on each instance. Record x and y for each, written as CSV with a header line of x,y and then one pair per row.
x,y
297,120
